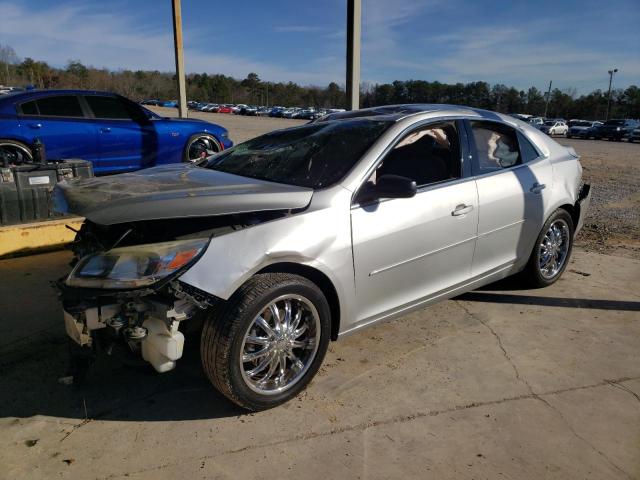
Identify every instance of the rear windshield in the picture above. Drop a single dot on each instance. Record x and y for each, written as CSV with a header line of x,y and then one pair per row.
x,y
313,155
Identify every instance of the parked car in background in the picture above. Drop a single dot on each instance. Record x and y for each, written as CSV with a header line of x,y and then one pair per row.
x,y
113,132
553,127
170,104
536,121
264,111
153,102
635,135
307,234
225,108
616,129
276,112
582,128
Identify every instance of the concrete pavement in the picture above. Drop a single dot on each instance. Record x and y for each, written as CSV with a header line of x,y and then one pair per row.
x,y
498,383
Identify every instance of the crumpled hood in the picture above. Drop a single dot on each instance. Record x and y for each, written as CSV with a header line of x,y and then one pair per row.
x,y
173,191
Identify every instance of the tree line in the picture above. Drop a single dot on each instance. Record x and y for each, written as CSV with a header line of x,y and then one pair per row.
x,y
218,88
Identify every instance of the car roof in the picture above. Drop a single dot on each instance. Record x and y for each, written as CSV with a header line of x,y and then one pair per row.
x,y
401,111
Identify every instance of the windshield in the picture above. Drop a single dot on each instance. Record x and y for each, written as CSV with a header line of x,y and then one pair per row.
x,y
313,155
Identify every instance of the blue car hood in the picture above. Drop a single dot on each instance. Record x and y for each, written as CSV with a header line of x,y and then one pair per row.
x,y
173,191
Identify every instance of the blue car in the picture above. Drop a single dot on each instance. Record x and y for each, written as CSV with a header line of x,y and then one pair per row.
x,y
113,132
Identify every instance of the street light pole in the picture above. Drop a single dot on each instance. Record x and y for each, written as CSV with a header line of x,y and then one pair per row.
x,y
546,105
611,72
354,14
177,43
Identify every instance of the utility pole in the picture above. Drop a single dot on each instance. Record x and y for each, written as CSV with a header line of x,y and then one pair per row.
x,y
177,44
354,15
611,72
546,105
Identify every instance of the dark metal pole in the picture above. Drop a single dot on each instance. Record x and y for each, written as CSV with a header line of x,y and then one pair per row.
x,y
546,105
611,72
354,14
177,43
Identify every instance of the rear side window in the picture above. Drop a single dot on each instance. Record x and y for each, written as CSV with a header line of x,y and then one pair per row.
x,y
527,150
29,108
496,146
107,107
60,106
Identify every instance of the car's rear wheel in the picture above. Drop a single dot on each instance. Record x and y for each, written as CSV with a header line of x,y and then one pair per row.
x,y
265,344
14,152
552,250
199,146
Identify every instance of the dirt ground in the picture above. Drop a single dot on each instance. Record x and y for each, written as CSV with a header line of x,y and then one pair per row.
x,y
502,382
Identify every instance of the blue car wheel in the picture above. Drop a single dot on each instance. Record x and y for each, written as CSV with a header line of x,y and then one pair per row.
x,y
201,145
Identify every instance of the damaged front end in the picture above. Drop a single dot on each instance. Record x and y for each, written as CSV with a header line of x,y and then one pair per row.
x,y
124,297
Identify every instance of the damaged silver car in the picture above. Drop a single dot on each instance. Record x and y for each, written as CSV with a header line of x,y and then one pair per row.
x,y
283,243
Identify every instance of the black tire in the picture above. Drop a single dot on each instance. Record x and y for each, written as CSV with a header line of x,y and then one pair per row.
x,y
531,273
18,151
193,141
224,331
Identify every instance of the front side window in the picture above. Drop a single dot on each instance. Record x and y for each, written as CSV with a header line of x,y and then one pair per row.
x,y
428,155
496,146
60,106
313,155
107,107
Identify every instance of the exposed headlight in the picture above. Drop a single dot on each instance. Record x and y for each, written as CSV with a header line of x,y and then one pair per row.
x,y
617,129
134,267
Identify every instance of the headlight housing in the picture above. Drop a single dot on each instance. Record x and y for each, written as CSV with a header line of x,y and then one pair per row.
x,y
136,266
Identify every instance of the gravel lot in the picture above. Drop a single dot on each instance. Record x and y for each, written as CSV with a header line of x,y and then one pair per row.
x,y
612,168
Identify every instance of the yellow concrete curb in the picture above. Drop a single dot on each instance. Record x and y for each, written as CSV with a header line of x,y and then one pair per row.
x,y
31,237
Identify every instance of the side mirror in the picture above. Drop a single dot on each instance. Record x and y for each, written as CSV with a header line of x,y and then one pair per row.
x,y
389,186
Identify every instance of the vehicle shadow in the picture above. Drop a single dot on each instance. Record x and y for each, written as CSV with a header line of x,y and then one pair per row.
x,y
30,384
488,297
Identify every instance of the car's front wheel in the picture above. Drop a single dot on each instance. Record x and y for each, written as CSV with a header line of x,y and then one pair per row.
x,y
199,146
552,250
265,344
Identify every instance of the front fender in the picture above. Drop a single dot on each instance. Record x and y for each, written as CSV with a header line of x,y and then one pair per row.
x,y
318,239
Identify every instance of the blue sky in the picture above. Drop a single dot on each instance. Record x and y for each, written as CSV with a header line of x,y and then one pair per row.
x,y
520,43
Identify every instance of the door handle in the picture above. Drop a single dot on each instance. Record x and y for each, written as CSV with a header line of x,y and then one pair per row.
x,y
105,130
461,209
537,187
35,125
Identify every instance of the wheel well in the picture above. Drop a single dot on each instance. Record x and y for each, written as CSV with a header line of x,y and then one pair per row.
x,y
321,280
574,211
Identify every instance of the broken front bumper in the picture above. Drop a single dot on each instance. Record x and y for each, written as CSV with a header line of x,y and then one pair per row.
x,y
147,326
584,199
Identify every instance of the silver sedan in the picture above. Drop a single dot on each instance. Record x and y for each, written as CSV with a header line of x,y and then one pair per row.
x,y
281,244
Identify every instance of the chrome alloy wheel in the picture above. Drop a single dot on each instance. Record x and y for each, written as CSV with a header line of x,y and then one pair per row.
x,y
280,344
554,248
202,147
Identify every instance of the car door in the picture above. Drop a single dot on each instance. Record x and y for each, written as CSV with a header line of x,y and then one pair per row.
x,y
127,138
514,184
408,249
60,122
